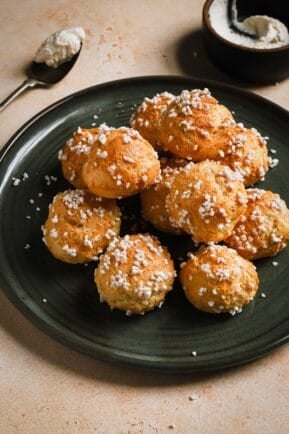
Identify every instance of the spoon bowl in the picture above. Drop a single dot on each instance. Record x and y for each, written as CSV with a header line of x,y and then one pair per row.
x,y
41,75
47,74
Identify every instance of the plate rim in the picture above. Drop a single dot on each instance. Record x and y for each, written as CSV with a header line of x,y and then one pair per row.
x,y
99,352
177,78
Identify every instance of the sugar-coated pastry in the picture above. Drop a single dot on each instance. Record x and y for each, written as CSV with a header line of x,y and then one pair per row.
x,y
153,199
244,150
121,163
74,154
80,226
135,273
191,118
206,200
216,279
263,229
147,117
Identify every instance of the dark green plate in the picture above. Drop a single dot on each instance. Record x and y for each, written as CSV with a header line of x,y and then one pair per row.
x,y
62,300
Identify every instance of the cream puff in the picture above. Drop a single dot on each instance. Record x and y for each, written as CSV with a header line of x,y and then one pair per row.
x,y
80,226
206,200
154,198
147,117
135,274
74,154
216,279
189,120
121,163
263,229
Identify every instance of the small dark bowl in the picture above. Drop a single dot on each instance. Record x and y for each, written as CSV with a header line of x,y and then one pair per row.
x,y
262,66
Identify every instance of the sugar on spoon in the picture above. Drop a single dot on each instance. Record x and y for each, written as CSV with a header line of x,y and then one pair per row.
x,y
53,60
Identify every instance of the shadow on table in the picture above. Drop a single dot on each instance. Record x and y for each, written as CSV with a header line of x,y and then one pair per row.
x,y
192,58
46,349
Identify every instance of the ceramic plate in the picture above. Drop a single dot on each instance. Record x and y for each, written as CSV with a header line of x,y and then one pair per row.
x,y
62,299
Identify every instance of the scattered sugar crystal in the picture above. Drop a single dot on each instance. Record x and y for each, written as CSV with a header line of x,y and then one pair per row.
x,y
273,162
48,179
193,397
16,182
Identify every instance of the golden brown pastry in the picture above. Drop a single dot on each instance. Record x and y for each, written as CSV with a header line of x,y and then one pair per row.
x,y
263,229
190,120
135,274
216,279
80,226
74,154
153,199
121,163
206,200
242,149
147,117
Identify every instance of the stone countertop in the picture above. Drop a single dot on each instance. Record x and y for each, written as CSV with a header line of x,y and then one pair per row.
x,y
48,388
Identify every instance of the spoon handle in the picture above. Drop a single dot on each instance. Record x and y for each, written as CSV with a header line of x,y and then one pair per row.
x,y
27,84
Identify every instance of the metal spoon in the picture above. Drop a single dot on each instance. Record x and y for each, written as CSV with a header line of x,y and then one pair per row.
x,y
40,75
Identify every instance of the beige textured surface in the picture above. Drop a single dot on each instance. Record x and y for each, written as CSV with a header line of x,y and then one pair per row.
x,y
47,388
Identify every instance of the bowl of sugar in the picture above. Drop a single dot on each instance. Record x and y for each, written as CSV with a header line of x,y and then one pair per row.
x,y
248,39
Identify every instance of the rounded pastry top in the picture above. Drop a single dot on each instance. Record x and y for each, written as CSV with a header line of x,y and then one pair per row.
x,y
216,279
120,164
147,117
80,225
189,119
154,198
243,149
74,154
263,229
135,273
206,200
